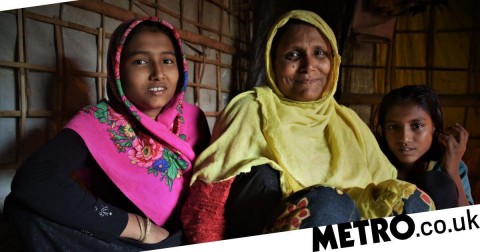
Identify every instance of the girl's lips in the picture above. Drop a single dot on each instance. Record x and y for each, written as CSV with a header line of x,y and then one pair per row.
x,y
406,150
157,90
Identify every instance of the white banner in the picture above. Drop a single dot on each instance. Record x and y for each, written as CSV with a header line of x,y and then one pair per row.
x,y
17,4
441,230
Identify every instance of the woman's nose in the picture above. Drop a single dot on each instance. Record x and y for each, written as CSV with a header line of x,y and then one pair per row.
x,y
308,64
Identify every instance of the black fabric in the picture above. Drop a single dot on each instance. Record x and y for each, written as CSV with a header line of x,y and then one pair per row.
x,y
253,197
41,234
46,191
45,185
439,186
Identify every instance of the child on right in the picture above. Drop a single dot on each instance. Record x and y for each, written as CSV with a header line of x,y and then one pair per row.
x,y
410,131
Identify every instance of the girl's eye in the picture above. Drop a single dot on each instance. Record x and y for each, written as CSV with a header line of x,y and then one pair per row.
x,y
139,62
417,126
292,55
392,127
168,61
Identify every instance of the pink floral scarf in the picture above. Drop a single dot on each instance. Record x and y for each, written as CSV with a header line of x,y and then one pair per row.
x,y
150,161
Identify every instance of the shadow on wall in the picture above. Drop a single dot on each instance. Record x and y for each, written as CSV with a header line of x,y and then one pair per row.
x,y
76,91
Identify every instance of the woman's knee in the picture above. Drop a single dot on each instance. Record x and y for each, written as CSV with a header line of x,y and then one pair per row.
x,y
418,202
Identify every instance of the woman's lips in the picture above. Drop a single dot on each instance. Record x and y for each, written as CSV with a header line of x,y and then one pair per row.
x,y
306,81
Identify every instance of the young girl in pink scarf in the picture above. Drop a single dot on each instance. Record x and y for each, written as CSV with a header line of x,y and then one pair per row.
x,y
115,178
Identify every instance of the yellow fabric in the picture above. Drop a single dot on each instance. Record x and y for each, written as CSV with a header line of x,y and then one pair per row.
x,y
309,143
382,199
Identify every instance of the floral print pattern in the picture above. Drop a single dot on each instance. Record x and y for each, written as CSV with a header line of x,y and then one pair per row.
x,y
103,211
292,217
141,149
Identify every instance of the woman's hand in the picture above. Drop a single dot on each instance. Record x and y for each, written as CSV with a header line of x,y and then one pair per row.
x,y
156,233
455,141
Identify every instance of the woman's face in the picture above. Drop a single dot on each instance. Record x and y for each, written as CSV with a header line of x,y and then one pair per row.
x,y
149,71
302,63
409,132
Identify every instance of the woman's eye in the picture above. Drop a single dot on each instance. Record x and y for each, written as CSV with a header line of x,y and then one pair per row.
x,y
292,55
320,53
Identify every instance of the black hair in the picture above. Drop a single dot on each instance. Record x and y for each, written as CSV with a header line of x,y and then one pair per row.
x,y
422,96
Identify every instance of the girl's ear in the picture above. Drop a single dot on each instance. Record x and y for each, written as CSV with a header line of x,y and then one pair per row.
x,y
379,131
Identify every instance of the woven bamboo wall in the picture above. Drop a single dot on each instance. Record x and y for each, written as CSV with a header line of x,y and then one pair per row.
x,y
53,61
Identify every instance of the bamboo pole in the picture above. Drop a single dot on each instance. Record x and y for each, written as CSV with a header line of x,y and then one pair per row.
x,y
218,59
28,66
10,113
99,81
445,99
22,86
60,74
121,14
429,46
55,21
196,90
219,84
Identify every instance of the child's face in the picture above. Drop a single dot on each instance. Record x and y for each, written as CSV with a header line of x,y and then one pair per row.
x,y
149,71
409,132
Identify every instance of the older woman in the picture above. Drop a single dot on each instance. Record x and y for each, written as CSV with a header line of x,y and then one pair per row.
x,y
288,137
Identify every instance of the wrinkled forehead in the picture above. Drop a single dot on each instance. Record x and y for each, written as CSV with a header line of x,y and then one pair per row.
x,y
297,32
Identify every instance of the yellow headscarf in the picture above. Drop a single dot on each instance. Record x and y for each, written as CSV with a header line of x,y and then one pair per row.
x,y
309,143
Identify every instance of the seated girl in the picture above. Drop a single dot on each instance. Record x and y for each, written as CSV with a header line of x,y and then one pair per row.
x,y
115,178
410,132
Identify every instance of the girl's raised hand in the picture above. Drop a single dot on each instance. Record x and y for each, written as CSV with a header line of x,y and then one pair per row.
x,y
455,141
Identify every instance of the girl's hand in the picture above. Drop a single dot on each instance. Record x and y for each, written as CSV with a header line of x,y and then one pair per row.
x,y
156,235
455,141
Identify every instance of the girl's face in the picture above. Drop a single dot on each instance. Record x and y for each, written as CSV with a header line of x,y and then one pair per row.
x,y
149,71
409,132
302,63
